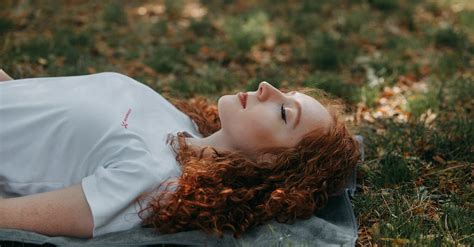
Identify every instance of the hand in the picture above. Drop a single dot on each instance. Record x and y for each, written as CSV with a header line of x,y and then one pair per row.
x,y
4,76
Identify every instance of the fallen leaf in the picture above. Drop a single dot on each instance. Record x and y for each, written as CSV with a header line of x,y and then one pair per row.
x,y
439,159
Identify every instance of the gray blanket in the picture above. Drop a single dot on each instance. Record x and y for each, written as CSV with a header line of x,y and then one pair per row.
x,y
335,225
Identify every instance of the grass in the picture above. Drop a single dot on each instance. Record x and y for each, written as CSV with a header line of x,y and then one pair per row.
x,y
245,32
403,67
114,13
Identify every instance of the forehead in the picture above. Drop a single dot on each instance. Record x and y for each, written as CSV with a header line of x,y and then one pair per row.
x,y
313,113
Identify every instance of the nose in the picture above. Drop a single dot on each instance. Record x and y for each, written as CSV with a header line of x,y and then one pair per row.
x,y
266,90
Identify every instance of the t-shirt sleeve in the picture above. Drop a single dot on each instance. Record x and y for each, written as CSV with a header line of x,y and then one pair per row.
x,y
112,189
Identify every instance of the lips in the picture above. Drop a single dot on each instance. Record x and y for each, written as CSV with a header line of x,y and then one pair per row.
x,y
243,99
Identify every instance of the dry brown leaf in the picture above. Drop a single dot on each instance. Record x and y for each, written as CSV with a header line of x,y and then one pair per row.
x,y
439,159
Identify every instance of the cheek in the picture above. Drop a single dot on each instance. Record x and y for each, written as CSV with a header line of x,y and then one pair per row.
x,y
265,129
258,130
263,136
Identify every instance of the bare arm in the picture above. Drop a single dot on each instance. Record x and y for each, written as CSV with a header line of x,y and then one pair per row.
x,y
62,212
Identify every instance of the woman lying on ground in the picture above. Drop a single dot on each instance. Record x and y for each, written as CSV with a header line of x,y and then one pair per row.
x,y
88,155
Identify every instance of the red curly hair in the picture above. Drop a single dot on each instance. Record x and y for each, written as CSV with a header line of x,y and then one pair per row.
x,y
219,191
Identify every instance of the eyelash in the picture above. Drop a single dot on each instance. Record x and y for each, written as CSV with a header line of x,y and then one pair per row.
x,y
283,113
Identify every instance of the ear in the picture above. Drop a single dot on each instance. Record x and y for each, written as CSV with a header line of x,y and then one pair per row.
x,y
267,157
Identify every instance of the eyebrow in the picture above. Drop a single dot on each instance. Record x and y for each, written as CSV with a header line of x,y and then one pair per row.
x,y
298,114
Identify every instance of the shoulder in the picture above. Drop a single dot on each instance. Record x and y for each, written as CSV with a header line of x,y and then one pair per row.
x,y
111,76
120,81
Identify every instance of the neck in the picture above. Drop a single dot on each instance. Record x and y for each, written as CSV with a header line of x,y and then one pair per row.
x,y
217,140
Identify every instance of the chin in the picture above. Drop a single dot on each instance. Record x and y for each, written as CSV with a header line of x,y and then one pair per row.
x,y
227,107
228,103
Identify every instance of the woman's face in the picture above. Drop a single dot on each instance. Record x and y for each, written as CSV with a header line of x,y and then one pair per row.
x,y
270,118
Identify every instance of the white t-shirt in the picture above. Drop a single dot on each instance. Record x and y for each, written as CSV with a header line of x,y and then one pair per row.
x,y
105,131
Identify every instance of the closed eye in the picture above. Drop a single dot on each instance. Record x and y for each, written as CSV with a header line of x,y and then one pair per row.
x,y
283,113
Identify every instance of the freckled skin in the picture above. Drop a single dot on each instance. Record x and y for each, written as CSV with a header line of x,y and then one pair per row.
x,y
264,136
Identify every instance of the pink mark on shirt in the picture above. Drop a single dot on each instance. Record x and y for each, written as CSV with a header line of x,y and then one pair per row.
x,y
124,122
